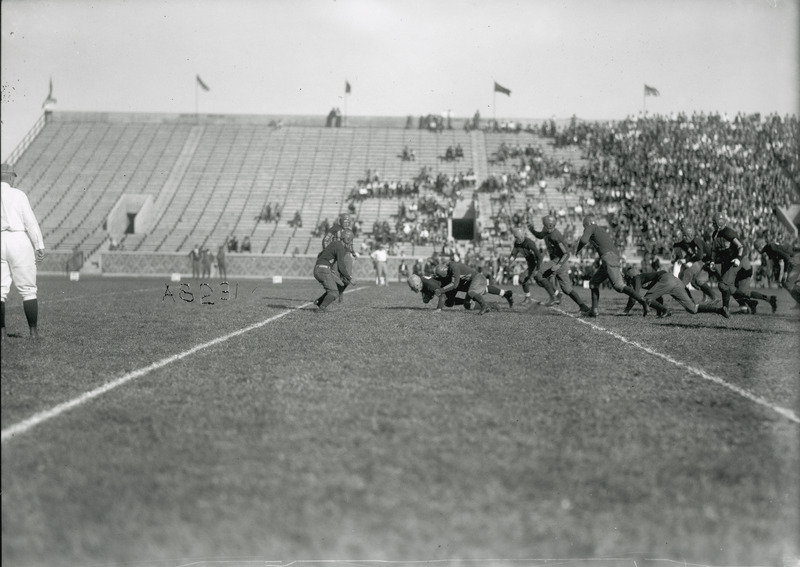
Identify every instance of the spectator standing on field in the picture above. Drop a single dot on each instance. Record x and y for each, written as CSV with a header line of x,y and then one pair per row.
x,y
379,257
205,260
221,267
22,248
194,256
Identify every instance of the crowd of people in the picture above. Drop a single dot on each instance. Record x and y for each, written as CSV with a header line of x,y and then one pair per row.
x,y
649,174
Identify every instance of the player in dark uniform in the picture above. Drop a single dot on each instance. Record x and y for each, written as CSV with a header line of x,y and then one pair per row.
x,y
785,265
695,252
609,264
335,232
427,286
743,294
726,257
331,270
661,283
559,259
454,274
527,247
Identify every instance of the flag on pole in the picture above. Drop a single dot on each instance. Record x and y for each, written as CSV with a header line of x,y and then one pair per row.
x,y
49,99
651,91
202,84
346,87
500,89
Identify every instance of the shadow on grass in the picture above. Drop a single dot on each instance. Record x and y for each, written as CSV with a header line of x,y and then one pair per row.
x,y
723,326
296,299
290,307
417,308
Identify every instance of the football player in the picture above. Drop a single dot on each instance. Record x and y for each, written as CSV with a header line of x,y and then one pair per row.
x,y
659,284
559,258
726,257
609,268
331,270
743,295
526,246
694,255
335,232
454,274
789,272
427,286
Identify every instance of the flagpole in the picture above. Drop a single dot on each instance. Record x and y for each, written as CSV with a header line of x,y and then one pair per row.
x,y
196,101
494,107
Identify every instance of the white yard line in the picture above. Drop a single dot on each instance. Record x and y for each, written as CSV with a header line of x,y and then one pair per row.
x,y
41,417
784,412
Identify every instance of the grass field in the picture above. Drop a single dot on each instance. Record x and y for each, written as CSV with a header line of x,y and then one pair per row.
x,y
256,431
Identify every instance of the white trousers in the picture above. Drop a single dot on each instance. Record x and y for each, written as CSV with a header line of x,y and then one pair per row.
x,y
17,264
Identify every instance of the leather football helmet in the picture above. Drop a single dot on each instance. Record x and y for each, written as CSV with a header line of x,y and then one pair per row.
x,y
415,283
549,223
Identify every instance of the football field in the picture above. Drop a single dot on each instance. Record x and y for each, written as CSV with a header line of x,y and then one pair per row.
x,y
245,428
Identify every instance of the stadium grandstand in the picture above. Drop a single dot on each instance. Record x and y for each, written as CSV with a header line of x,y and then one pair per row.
x,y
128,193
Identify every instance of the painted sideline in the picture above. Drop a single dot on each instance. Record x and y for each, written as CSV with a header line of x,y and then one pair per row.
x,y
41,417
784,412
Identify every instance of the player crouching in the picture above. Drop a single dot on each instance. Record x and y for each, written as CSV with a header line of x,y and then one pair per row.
x,y
460,277
331,270
427,286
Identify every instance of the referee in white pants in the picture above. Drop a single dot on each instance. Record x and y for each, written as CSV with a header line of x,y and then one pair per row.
x,y
22,248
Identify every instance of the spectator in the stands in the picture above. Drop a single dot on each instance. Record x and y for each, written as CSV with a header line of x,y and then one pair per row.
x,y
246,246
233,244
297,221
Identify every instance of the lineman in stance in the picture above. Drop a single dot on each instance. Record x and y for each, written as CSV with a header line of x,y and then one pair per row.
x,y
427,286
455,274
22,248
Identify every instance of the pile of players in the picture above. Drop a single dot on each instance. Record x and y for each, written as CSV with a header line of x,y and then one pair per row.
x,y
725,259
